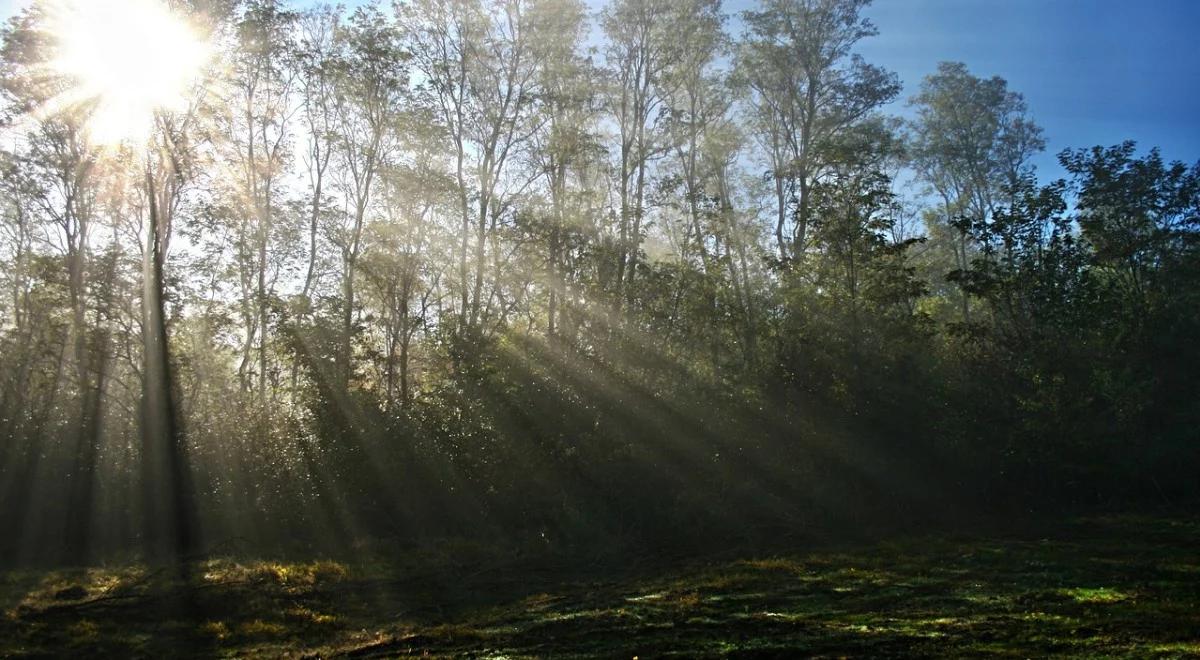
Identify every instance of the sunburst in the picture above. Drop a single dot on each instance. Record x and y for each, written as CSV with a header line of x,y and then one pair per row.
x,y
125,60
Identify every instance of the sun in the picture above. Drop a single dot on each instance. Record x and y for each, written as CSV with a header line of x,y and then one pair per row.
x,y
127,59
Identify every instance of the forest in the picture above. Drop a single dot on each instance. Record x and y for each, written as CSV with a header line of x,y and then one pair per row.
x,y
417,318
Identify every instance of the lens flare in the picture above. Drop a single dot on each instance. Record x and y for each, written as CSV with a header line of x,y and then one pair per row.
x,y
128,59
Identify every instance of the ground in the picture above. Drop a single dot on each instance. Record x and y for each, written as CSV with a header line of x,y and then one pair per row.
x,y
1113,586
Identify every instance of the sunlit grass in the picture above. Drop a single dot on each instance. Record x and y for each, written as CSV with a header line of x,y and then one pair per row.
x,y
1096,595
285,574
1108,588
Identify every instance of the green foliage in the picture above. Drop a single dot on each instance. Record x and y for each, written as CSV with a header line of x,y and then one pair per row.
x,y
453,274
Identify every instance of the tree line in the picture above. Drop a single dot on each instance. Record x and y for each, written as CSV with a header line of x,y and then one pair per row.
x,y
514,269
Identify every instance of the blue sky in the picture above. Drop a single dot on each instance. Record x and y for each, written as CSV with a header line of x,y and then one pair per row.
x,y
1092,71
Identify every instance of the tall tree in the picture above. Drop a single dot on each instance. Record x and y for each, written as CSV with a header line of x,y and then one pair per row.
x,y
404,264
372,79
642,47
259,132
806,88
53,177
567,144
317,59
478,68
971,143
172,526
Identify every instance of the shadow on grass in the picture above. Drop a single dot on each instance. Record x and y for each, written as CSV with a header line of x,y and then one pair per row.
x,y
1120,586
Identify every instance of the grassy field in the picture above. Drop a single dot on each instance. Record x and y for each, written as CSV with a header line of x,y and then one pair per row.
x,y
1117,586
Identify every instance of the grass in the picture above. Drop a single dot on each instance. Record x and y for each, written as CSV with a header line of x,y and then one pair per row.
x,y
1117,586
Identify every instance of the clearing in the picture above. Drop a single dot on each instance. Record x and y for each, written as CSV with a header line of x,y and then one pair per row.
x,y
1112,586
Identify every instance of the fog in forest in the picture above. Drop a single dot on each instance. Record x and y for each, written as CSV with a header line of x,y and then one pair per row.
x,y
408,297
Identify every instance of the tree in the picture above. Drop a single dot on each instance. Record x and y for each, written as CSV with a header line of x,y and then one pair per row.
x,y
1139,216
171,516
643,47
971,143
697,108
566,148
259,130
318,77
403,264
52,180
372,79
806,88
479,75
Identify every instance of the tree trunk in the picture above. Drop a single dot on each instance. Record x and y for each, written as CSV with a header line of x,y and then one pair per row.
x,y
170,511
